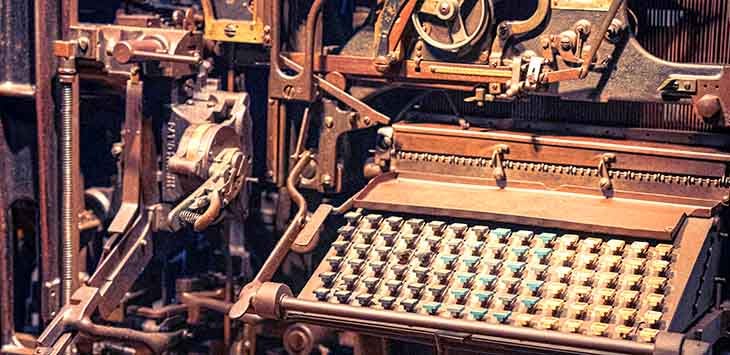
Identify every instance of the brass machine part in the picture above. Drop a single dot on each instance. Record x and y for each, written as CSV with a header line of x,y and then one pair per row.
x,y
210,160
254,31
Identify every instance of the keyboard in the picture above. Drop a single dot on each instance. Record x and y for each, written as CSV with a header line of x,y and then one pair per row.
x,y
497,274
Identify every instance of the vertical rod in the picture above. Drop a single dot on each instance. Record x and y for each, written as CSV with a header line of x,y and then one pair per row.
x,y
69,177
47,27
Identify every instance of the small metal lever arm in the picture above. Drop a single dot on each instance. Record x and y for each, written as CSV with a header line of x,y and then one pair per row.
x,y
149,49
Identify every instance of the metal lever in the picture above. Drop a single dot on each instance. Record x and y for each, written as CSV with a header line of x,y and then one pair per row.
x,y
598,37
282,247
496,163
149,49
603,165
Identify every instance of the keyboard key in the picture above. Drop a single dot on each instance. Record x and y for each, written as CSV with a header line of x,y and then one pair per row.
x,y
572,325
361,250
502,316
483,297
651,318
530,302
365,299
340,247
371,283
322,293
480,232
415,225
459,294
568,241
374,219
416,289
614,247
590,245
421,273
597,329
448,260
387,302
393,286
356,265
661,252
389,238
465,278
626,316
394,222
458,229
409,304
500,235
335,262
343,296
487,281
647,335
456,310
534,285
521,237
346,232
352,217
470,262
638,249
546,239
437,291
432,307
377,267
549,323
478,313
366,235
350,281
327,278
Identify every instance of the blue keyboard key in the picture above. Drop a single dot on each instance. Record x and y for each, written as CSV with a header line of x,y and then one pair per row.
x,y
502,316
432,307
547,238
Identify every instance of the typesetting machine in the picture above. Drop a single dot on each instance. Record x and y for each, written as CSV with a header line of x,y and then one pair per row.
x,y
364,176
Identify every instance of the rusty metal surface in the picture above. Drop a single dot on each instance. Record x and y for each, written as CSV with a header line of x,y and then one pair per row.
x,y
550,116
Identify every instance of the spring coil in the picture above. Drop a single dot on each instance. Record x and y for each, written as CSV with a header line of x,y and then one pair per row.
x,y
67,186
189,217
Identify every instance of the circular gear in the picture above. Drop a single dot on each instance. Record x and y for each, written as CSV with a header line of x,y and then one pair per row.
x,y
452,25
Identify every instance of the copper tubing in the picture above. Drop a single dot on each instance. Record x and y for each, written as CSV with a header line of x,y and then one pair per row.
x,y
598,37
391,322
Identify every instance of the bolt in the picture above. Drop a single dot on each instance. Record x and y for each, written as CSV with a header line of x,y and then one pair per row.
x,y
326,180
503,30
230,29
329,121
366,121
83,44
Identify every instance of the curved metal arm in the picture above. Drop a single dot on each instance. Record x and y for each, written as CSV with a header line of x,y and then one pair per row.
x,y
282,246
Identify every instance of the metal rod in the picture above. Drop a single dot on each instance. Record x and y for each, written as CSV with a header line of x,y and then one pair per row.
x,y
11,89
303,310
598,37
